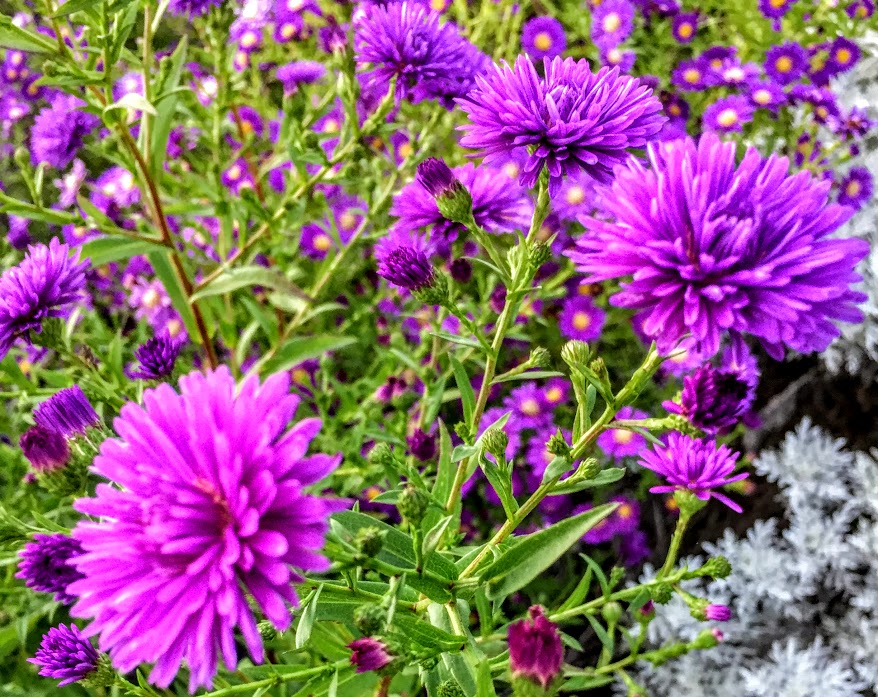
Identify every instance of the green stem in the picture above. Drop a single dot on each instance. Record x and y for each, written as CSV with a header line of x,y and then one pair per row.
x,y
674,549
278,680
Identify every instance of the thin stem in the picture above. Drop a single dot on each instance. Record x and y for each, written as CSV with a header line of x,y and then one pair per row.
x,y
278,680
676,540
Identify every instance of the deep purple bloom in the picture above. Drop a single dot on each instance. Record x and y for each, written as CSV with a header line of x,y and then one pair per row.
x,y
717,613
66,655
404,260
684,26
45,449
860,9
429,58
68,412
728,114
786,63
45,284
206,504
499,205
59,131
437,178
716,247
191,8
612,22
573,119
543,37
298,73
690,75
765,94
580,318
696,465
535,650
422,445
714,400
775,9
369,654
45,565
843,54
856,188
156,358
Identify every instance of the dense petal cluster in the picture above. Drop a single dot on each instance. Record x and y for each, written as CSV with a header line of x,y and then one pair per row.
x,y
59,131
714,400
68,412
45,284
535,649
45,448
406,267
66,655
369,654
713,247
696,465
207,503
429,58
571,120
45,565
156,358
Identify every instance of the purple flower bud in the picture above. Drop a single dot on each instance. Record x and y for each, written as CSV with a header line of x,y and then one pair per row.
x,y
45,565
66,655
156,357
437,178
535,650
461,270
422,446
68,412
369,654
714,400
45,449
717,613
407,267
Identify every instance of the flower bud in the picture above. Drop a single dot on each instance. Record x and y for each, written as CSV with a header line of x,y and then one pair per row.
x,y
717,567
647,612
370,618
407,268
422,445
412,504
450,688
46,450
267,631
381,454
662,593
612,612
461,270
369,654
575,353
706,640
540,358
496,441
436,293
540,253
535,651
369,541
68,412
452,198
557,445
104,675
589,469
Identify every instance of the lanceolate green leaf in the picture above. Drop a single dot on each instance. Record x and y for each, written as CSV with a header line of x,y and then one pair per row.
x,y
244,277
103,250
162,267
301,348
529,556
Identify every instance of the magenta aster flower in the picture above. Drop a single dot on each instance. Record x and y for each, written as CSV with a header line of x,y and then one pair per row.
x,y
206,504
727,114
66,655
714,247
572,119
543,37
535,650
714,400
717,613
765,94
45,565
786,63
684,26
59,131
617,58
46,283
690,75
696,465
580,318
612,21
369,654
429,58
856,188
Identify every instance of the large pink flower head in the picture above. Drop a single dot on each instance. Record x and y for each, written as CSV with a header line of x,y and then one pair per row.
x,y
713,247
572,120
206,505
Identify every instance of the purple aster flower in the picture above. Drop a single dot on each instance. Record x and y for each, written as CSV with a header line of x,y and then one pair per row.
x,y
406,266
728,114
248,120
690,75
634,548
732,73
843,54
573,119
221,481
46,283
696,465
59,131
619,442
576,197
429,58
156,358
297,73
612,21
70,183
129,83
556,391
856,188
68,412
716,56
684,26
623,521
422,445
580,318
19,236
191,8
45,565
775,9
437,178
369,654
714,400
66,655
529,408
676,108
535,650
237,176
717,613
860,9
499,205
45,448
345,216
543,37
765,94
727,248
616,58
786,63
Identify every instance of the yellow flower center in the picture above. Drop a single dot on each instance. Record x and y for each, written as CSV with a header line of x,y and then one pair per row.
x,y
623,437
625,510
554,394
542,41
734,74
783,64
322,243
685,30
692,75
347,221
843,55
246,127
777,4
438,5
373,492
331,126
575,195
612,22
300,376
614,57
512,170
242,60
295,5
406,150
287,31
151,298
852,188
581,320
530,407
234,172
727,118
822,112
762,97
675,110
174,328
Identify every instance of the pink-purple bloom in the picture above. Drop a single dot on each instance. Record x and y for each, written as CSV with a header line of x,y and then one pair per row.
x,y
543,37
535,650
699,466
717,613
728,114
713,247
856,188
59,131
612,22
368,654
580,318
206,506
573,120
46,449
713,399
66,655
46,283
786,63
45,565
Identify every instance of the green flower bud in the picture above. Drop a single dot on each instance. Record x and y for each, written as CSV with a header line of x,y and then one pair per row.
x,y
612,612
267,631
381,455
661,593
412,504
706,639
436,293
540,253
688,503
589,469
370,619
717,567
540,358
495,442
102,676
678,422
369,541
450,688
617,573
575,353
557,445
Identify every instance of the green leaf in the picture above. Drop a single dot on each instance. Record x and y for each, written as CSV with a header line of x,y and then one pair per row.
x,y
19,39
434,536
641,599
71,6
467,396
306,621
579,683
484,680
533,554
596,568
243,277
604,477
426,634
32,212
301,348
162,267
122,30
103,250
605,639
558,466
455,339
529,375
